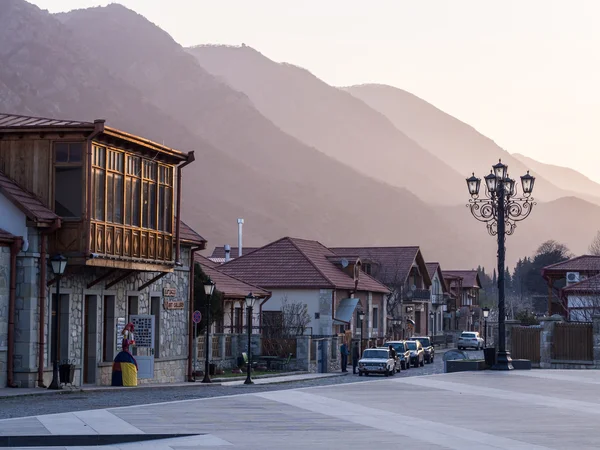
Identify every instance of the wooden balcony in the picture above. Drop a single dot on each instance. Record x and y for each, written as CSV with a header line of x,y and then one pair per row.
x,y
124,242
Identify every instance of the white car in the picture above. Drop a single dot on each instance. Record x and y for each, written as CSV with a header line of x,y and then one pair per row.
x,y
470,339
376,360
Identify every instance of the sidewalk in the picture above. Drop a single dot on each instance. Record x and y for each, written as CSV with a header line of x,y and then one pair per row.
x,y
216,381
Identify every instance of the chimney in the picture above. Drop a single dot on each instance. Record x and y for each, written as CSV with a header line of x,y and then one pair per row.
x,y
240,225
227,252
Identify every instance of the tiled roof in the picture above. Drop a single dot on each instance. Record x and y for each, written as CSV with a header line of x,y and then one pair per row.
x,y
186,234
16,121
432,267
205,261
219,252
394,263
587,286
583,263
295,263
470,278
33,208
5,235
230,286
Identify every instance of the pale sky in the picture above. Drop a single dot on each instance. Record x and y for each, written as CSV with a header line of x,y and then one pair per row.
x,y
525,73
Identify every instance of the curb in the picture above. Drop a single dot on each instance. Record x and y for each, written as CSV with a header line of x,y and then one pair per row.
x,y
215,382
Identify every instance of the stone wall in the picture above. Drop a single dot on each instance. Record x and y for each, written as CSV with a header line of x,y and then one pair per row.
x,y
4,293
172,326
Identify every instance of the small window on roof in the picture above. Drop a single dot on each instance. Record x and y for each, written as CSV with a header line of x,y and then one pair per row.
x,y
68,152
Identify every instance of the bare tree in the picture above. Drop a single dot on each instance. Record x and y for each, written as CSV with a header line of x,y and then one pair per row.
x,y
294,317
594,248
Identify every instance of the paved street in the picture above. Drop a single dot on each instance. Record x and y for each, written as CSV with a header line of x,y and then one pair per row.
x,y
11,407
540,409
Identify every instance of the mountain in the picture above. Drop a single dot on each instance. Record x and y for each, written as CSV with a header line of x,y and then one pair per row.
x,y
455,142
112,63
333,121
562,177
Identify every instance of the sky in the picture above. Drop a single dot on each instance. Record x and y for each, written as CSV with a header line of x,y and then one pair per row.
x,y
523,73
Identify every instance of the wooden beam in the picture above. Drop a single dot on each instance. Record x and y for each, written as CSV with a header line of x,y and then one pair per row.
x,y
119,279
152,281
128,265
101,278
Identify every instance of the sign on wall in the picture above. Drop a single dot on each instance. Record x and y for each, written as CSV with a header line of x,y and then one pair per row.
x,y
173,305
120,328
169,292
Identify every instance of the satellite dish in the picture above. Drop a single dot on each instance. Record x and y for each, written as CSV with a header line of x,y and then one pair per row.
x,y
345,263
409,294
413,287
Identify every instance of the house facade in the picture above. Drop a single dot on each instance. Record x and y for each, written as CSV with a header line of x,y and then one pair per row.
x,y
464,313
439,298
574,288
404,272
311,281
108,202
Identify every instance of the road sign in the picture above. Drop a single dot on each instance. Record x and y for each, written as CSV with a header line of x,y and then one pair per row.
x,y
197,317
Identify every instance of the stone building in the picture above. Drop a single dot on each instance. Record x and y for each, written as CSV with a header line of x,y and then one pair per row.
x,y
108,201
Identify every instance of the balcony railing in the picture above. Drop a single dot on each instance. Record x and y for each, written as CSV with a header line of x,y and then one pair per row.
x,y
125,242
420,295
438,299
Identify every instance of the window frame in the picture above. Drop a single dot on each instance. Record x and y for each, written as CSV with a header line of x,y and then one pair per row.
x,y
68,164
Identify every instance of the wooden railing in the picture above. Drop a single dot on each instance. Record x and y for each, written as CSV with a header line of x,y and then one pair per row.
x,y
121,241
525,343
573,342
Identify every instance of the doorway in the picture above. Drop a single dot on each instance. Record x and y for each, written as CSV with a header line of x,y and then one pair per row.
x,y
90,326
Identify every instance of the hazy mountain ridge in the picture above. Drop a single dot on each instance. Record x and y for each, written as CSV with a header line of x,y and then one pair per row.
x,y
564,177
245,165
331,120
457,143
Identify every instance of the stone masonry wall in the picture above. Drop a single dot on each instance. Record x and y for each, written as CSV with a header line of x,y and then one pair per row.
x,y
170,365
4,293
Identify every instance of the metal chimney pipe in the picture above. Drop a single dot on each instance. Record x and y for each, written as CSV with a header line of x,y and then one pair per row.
x,y
240,225
227,253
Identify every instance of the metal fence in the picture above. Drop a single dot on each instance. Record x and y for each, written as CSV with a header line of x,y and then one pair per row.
x,y
525,343
573,342
278,346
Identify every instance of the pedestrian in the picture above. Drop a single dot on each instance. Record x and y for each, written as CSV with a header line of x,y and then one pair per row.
x,y
355,356
344,353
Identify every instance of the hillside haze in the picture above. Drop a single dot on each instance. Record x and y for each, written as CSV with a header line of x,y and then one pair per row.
x,y
245,166
458,144
333,121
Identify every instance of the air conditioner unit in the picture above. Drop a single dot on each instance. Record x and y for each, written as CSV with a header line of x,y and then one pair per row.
x,y
572,278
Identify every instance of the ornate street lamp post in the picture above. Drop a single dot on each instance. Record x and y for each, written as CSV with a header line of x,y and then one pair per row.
x,y
209,288
432,317
59,264
486,314
250,299
361,317
500,209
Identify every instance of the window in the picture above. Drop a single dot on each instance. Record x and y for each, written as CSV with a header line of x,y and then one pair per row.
x,y
149,195
98,182
132,191
165,199
68,179
108,341
114,187
367,268
237,318
375,318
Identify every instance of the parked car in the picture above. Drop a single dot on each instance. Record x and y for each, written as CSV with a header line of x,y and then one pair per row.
x,y
376,360
417,354
470,339
402,351
427,348
397,363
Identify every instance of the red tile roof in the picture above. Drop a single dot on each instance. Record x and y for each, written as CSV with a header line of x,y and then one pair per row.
x,y
187,235
583,263
394,263
230,286
588,286
295,263
205,261
5,235
28,203
16,121
470,278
